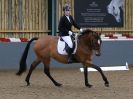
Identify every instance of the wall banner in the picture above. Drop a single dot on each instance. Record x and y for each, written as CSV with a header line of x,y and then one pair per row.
x,y
99,13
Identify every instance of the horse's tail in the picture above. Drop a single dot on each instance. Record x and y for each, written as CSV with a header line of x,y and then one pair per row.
x,y
22,63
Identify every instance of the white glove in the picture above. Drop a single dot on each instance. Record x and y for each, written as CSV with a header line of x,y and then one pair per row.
x,y
81,30
70,32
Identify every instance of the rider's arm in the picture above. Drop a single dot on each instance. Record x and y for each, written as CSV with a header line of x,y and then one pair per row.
x,y
74,23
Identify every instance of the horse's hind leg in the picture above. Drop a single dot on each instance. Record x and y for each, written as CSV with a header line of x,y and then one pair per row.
x,y
102,74
32,67
46,63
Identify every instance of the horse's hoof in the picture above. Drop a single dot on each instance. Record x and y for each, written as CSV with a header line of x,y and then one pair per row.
x,y
107,84
58,84
28,83
18,73
88,85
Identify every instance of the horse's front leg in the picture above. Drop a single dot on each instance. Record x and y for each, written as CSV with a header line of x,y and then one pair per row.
x,y
102,74
86,77
100,71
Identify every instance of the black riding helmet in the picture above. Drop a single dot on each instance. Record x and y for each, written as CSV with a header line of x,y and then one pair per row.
x,y
66,7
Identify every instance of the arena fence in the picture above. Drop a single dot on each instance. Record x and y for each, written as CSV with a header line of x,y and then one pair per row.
x,y
23,18
29,18
23,33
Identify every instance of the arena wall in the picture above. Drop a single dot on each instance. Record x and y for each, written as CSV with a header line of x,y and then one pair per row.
x,y
128,17
29,18
23,18
113,53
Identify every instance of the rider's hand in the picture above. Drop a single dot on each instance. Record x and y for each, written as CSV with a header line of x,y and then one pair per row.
x,y
70,32
81,30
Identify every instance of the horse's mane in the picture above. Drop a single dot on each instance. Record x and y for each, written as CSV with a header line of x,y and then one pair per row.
x,y
87,31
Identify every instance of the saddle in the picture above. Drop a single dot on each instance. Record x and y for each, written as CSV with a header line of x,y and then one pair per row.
x,y
62,45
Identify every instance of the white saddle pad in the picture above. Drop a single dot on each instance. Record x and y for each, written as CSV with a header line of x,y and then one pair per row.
x,y
61,47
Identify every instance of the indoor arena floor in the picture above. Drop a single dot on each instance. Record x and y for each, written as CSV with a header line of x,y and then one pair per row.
x,y
14,87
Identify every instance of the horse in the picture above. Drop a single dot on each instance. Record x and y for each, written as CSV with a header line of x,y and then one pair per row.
x,y
45,48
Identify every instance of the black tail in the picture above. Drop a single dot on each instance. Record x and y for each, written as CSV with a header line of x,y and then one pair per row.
x,y
22,63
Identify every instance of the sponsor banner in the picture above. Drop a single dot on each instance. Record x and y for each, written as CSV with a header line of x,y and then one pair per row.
x,y
99,13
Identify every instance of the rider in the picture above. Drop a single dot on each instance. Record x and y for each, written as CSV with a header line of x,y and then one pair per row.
x,y
65,32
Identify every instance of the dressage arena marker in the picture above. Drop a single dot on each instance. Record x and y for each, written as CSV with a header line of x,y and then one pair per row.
x,y
110,68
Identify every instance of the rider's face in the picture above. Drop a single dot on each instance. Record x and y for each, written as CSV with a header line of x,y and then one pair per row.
x,y
67,13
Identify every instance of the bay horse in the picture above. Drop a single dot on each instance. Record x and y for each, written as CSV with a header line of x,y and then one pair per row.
x,y
45,48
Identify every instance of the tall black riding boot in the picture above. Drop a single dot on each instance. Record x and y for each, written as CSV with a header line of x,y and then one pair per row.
x,y
70,56
70,59
69,52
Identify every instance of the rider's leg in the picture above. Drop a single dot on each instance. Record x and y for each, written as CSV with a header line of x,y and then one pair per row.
x,y
70,55
69,48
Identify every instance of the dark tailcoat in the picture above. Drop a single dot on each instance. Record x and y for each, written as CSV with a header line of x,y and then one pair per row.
x,y
65,26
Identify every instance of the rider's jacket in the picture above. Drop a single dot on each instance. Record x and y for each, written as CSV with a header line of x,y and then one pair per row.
x,y
66,24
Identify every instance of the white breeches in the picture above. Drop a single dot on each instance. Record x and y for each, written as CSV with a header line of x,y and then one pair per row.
x,y
68,40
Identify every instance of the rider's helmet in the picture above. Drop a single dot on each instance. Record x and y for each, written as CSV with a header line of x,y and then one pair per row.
x,y
66,7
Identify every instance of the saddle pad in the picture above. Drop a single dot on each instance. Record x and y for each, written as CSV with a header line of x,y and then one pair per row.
x,y
61,47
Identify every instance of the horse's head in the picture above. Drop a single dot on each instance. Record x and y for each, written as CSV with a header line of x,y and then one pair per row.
x,y
93,41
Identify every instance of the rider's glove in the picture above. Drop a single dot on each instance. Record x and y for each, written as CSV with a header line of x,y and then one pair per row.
x,y
81,30
70,32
